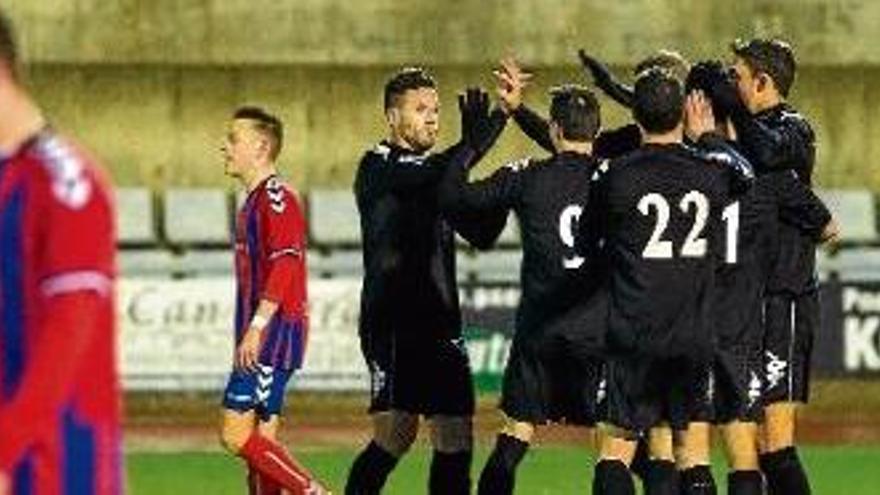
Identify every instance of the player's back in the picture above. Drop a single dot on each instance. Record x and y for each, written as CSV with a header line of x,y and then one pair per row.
x,y
57,243
662,202
552,199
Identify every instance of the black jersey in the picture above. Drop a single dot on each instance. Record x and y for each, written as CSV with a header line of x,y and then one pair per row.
x,y
750,226
548,197
408,248
656,214
779,139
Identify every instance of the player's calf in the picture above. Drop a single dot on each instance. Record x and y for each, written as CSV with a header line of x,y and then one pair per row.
x,y
740,440
612,475
779,459
499,474
235,430
660,475
452,438
693,460
393,434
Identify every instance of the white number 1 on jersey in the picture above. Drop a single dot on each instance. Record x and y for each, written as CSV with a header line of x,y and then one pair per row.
x,y
731,220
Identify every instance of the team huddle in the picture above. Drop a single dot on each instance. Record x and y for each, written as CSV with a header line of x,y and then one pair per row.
x,y
668,281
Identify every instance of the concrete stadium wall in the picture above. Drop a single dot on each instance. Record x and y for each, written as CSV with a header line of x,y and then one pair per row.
x,y
161,126
148,84
445,32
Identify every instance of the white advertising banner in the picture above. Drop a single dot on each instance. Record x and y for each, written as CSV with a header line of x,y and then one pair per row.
x,y
178,334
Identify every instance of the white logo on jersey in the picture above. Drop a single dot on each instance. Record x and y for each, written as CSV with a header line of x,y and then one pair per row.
x,y
518,165
754,388
382,150
275,191
601,170
69,184
710,387
602,391
377,382
776,369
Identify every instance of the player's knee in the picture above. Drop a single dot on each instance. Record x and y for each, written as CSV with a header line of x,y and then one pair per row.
x,y
232,438
617,444
777,430
396,431
451,434
235,431
269,428
741,445
520,430
692,446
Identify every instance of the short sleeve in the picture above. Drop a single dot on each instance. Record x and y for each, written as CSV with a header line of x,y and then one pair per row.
x,y
282,221
75,243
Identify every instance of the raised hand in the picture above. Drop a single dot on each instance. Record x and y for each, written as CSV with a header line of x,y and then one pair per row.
x,y
512,81
473,105
699,118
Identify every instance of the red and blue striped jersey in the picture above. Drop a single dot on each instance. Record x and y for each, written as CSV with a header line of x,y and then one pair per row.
x,y
270,235
59,393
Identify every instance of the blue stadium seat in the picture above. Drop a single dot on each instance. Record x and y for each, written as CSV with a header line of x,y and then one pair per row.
x,y
337,263
492,266
197,217
855,212
858,264
333,218
135,217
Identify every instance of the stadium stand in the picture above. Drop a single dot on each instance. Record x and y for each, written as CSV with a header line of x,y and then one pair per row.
x,y
333,219
197,218
135,217
855,212
185,233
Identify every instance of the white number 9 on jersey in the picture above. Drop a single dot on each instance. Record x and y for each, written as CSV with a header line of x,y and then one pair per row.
x,y
567,221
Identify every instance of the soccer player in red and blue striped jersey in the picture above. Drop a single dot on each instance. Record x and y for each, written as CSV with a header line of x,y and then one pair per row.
x,y
59,399
271,317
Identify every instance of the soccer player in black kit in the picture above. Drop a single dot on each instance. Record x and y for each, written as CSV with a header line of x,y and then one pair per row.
x,y
655,214
554,369
410,322
748,248
774,136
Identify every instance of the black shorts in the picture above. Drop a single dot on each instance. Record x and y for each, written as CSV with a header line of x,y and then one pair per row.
x,y
734,382
790,324
419,375
647,391
732,386
552,378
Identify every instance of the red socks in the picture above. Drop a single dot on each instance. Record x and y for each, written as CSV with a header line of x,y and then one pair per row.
x,y
276,467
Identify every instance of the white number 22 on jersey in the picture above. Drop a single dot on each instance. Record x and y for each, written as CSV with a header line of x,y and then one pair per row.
x,y
567,220
694,246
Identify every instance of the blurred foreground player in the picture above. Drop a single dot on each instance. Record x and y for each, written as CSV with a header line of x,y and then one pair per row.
x,y
59,393
410,321
271,314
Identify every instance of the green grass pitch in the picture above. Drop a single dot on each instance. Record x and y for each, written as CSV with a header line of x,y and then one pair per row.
x,y
546,470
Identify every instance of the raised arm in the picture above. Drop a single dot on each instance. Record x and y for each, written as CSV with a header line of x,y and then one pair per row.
x,y
605,80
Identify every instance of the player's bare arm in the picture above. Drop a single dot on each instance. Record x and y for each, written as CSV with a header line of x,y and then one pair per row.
x,y
248,351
